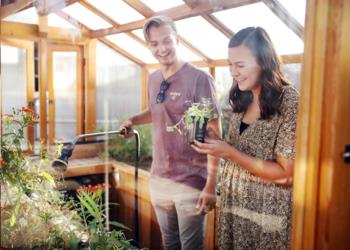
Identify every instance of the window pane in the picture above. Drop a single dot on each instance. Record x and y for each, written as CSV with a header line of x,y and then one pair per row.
x,y
13,80
293,73
285,40
25,16
183,52
86,17
65,90
117,87
223,80
119,11
203,36
296,8
133,47
57,21
157,5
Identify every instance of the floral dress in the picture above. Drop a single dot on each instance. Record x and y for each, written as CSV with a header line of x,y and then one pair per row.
x,y
254,213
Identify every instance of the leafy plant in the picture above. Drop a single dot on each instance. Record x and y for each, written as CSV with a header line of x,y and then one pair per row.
x,y
93,211
34,215
32,212
198,113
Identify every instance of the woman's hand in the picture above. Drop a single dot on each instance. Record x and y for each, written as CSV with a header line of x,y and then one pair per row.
x,y
217,148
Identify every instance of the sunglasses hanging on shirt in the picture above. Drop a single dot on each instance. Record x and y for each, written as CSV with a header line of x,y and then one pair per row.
x,y
164,86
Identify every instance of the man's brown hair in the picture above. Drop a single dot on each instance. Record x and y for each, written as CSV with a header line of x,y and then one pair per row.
x,y
157,21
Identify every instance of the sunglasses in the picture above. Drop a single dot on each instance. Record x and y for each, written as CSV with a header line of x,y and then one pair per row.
x,y
161,95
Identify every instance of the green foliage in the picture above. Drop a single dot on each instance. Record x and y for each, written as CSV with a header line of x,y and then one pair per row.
x,y
124,150
197,112
92,209
34,214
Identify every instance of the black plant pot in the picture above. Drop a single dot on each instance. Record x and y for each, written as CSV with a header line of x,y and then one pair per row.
x,y
196,132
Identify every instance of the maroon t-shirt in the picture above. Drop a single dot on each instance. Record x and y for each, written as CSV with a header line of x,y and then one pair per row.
x,y
173,156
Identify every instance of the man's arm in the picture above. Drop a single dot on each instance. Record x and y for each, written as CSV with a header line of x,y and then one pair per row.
x,y
207,199
138,119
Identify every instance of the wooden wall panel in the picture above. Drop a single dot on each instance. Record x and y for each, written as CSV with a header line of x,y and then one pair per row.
x,y
321,206
150,236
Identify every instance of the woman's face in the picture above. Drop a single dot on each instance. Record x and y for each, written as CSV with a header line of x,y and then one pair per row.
x,y
244,68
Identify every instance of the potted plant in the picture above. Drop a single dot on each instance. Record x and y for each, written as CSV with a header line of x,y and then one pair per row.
x,y
193,123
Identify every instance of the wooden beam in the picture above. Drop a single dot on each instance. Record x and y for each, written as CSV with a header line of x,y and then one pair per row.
x,y
90,86
194,49
286,59
31,32
72,20
104,40
111,21
286,17
122,51
140,7
178,13
12,8
144,87
43,26
219,25
43,87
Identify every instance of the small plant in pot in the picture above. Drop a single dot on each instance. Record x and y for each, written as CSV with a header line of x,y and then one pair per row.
x,y
193,123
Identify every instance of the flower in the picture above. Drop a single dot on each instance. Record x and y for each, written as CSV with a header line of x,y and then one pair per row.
x,y
2,163
90,188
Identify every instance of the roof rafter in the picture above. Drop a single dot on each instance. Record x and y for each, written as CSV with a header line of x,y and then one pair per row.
x,y
122,51
72,20
110,20
12,8
219,25
113,46
177,13
286,59
147,12
277,8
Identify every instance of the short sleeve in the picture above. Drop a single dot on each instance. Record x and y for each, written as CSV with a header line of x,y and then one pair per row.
x,y
205,88
286,137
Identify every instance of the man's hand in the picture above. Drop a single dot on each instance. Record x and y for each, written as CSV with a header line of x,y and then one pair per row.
x,y
126,128
207,200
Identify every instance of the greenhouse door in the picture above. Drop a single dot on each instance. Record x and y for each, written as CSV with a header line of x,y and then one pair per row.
x,y
65,92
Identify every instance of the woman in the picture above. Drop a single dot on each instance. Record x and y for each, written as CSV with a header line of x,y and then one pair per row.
x,y
255,186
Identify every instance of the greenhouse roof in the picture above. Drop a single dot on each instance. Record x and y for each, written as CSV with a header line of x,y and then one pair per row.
x,y
204,26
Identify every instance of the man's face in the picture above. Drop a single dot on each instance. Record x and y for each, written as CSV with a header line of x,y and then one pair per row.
x,y
163,44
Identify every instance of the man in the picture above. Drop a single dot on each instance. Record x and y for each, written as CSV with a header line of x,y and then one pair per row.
x,y
182,181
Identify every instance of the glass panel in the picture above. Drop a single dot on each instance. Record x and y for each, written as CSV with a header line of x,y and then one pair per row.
x,y
296,8
198,37
223,80
183,52
86,17
157,5
117,87
25,16
293,73
285,40
65,92
57,21
14,80
133,47
119,11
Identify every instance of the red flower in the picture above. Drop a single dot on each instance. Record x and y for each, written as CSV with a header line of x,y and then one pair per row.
x,y
91,189
2,163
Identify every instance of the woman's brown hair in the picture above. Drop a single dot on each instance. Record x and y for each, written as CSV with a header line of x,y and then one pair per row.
x,y
271,79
